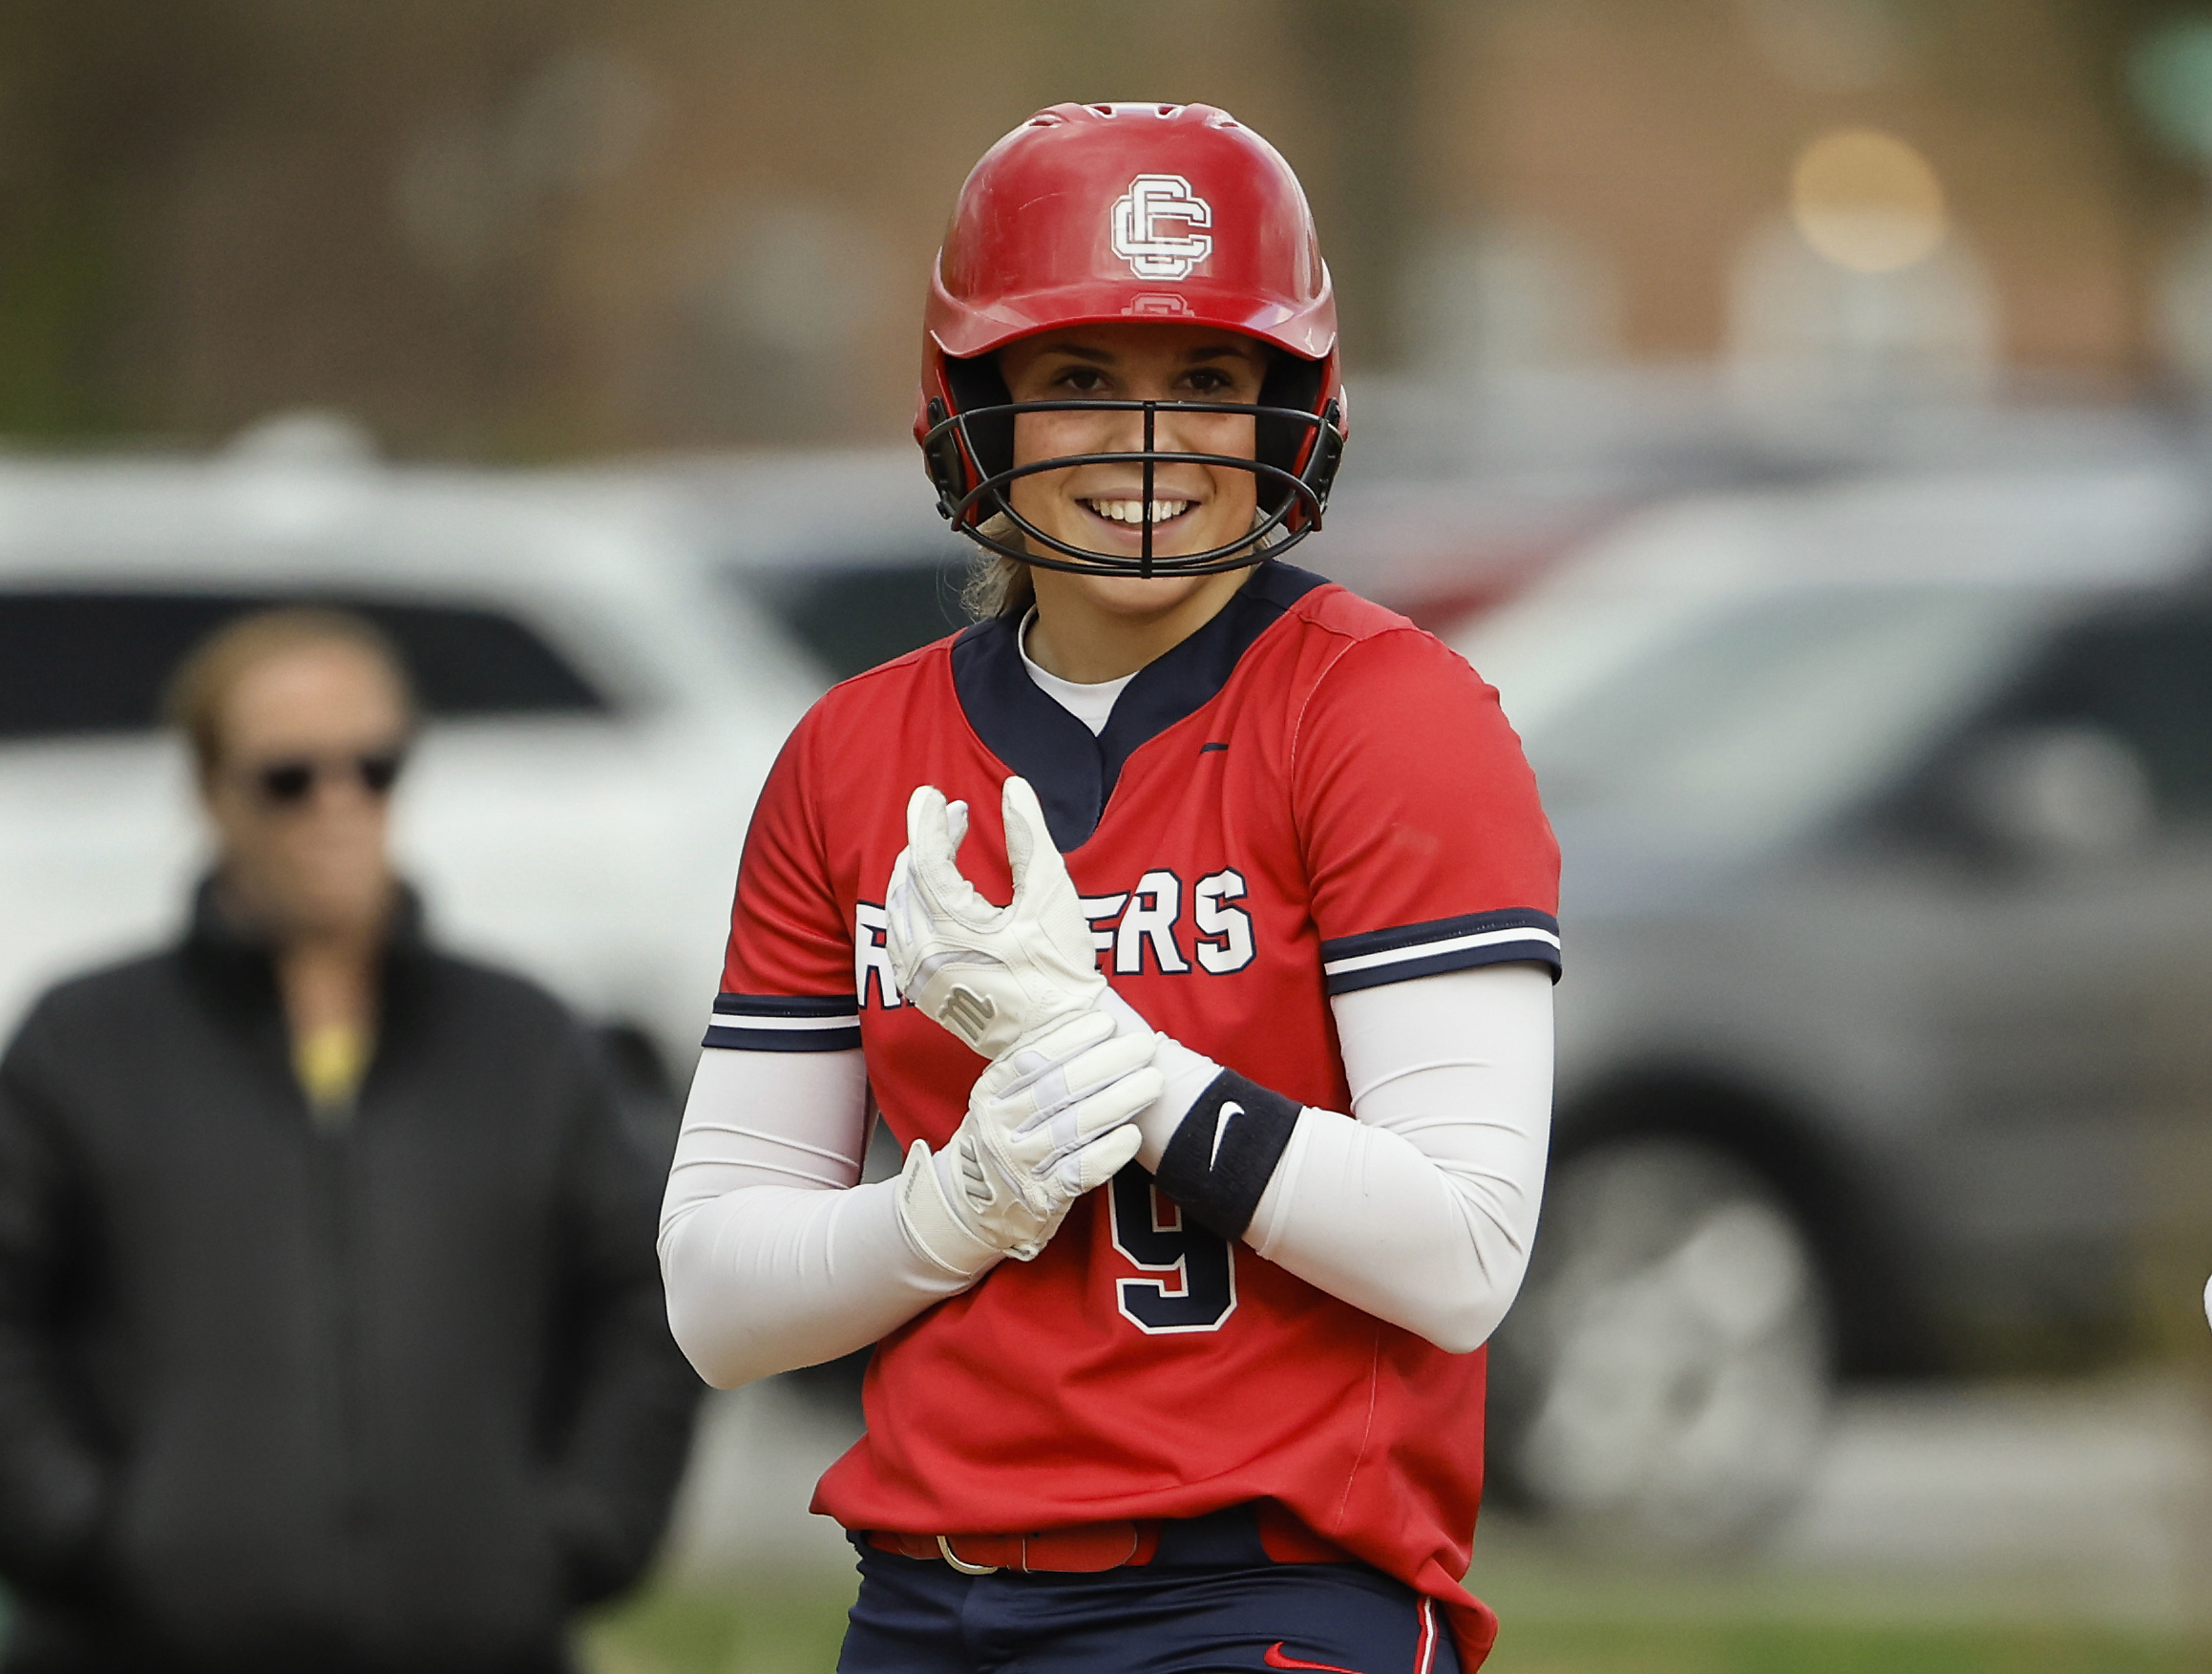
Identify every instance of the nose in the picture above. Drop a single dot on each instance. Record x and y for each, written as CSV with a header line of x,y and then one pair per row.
x,y
1163,427
338,792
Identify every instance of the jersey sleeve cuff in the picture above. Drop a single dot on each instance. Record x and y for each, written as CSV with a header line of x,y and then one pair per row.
x,y
785,1023
1399,955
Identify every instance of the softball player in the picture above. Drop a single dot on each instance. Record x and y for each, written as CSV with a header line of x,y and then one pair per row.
x,y
1224,1136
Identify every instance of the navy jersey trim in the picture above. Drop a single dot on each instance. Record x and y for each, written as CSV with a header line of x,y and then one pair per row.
x,y
785,1023
1399,955
1073,772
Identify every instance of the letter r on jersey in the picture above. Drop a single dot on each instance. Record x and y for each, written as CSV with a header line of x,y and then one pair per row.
x,y
872,958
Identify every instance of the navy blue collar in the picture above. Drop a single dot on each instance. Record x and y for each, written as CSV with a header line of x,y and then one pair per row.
x,y
1072,772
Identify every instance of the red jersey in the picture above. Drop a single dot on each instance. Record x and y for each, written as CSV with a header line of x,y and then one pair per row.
x,y
1307,797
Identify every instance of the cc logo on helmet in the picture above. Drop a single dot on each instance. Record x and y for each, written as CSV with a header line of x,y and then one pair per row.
x,y
1138,239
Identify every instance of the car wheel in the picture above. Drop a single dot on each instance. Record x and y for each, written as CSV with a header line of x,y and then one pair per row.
x,y
1665,1378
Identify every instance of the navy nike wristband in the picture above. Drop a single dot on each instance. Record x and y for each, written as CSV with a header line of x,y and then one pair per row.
x,y
1225,1151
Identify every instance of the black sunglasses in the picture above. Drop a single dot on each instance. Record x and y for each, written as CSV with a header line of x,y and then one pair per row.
x,y
288,784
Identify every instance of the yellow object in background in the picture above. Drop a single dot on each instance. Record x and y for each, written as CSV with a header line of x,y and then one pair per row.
x,y
328,1062
1868,200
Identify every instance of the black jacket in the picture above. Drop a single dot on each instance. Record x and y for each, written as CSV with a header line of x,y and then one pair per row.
x,y
396,1395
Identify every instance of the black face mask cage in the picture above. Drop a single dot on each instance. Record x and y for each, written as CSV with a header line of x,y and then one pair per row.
x,y
985,432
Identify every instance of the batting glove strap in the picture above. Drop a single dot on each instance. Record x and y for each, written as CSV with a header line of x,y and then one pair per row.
x,y
1045,1124
932,1228
1225,1151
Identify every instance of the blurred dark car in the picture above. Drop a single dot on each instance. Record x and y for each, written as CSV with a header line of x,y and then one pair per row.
x,y
1886,1042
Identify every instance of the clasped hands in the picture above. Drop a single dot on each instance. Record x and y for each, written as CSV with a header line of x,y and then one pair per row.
x,y
1051,1118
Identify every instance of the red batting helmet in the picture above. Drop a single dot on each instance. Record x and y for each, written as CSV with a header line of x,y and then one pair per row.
x,y
1088,214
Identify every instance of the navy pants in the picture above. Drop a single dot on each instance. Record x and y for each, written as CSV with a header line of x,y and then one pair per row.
x,y
1209,1603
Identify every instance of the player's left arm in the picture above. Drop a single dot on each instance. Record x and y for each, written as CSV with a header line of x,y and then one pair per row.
x,y
1433,880
1420,1205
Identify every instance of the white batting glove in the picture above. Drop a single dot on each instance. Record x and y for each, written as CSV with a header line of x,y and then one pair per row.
x,y
1045,1124
992,975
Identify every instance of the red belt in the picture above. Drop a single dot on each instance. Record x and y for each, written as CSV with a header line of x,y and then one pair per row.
x,y
1082,1550
1087,1548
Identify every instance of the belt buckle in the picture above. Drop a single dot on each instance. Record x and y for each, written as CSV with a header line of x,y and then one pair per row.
x,y
945,1547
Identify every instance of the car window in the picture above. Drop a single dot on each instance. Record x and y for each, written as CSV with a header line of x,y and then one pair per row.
x,y
1756,717
2143,676
86,662
854,617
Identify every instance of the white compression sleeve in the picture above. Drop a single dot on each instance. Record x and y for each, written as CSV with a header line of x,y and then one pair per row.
x,y
772,1255
1421,1207
1424,1209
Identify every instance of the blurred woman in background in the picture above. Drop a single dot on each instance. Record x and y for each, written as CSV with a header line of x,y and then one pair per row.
x,y
331,1336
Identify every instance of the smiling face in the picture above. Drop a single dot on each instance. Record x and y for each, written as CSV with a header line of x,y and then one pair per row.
x,y
1100,508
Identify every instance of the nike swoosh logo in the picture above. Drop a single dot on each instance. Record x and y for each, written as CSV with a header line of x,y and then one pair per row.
x,y
1276,1658
1230,1108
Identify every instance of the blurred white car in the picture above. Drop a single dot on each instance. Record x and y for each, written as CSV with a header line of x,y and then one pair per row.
x,y
602,708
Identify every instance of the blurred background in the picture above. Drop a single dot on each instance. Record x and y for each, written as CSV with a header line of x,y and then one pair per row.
x,y
1797,407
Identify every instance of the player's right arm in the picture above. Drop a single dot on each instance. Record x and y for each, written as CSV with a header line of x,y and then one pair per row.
x,y
774,1255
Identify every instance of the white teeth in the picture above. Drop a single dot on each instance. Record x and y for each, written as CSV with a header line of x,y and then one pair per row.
x,y
1132,510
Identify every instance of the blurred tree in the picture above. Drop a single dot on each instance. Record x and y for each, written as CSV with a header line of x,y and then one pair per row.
x,y
1360,62
96,97
2157,187
197,221
532,227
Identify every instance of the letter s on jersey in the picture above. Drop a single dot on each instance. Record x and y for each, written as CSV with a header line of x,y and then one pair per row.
x,y
1224,931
